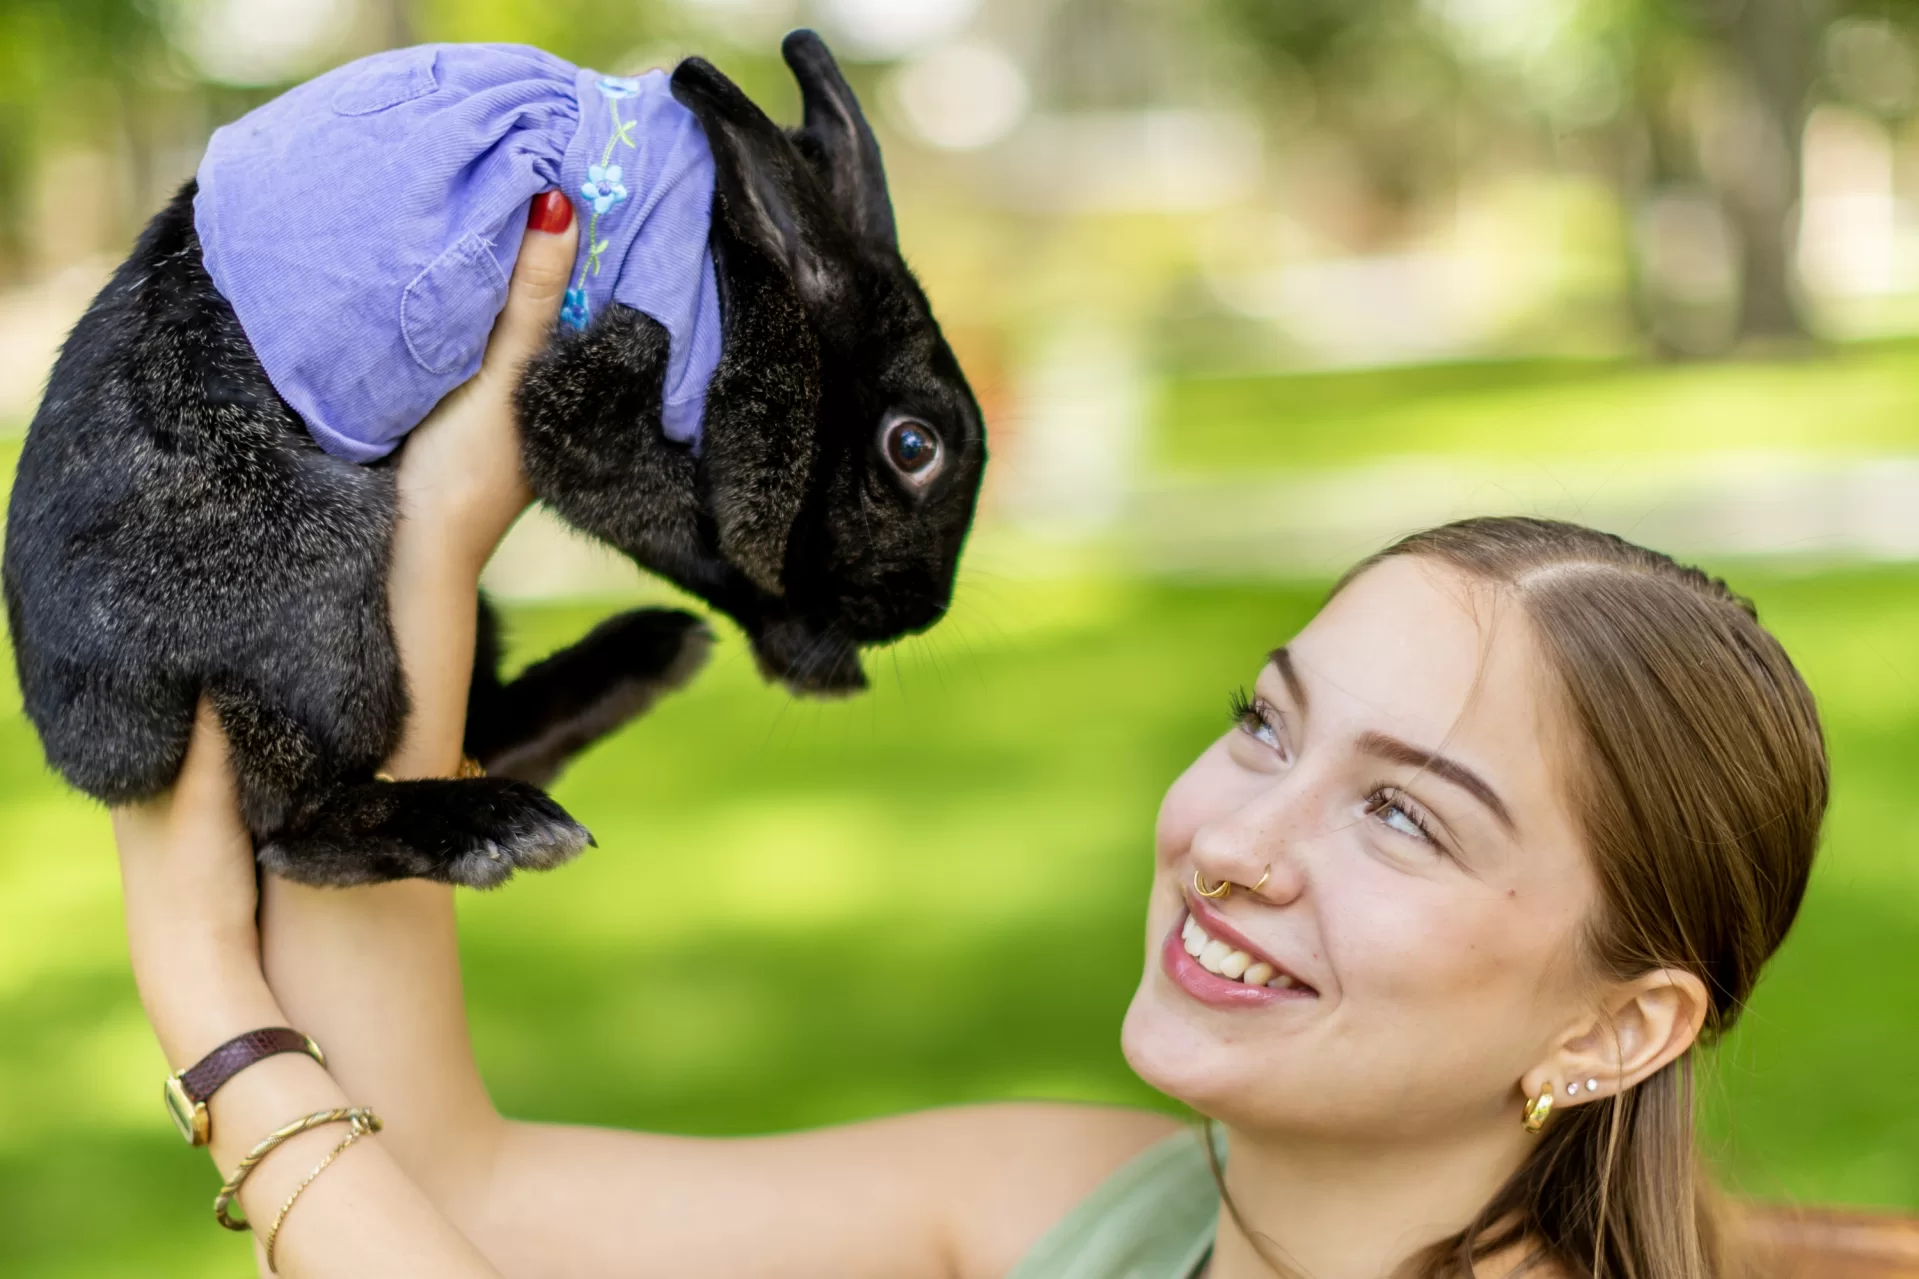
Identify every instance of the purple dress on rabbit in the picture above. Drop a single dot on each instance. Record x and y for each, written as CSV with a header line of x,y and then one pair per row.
x,y
364,224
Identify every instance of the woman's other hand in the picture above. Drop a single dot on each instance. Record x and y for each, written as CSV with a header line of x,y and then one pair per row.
x,y
460,471
461,487
186,865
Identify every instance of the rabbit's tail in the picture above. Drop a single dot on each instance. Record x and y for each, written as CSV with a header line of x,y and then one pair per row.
x,y
472,831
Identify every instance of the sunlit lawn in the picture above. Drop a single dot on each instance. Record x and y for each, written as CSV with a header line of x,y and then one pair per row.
x,y
1860,399
804,913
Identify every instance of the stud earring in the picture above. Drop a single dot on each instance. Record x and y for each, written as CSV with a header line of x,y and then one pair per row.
x,y
1572,1089
1592,1085
1538,1108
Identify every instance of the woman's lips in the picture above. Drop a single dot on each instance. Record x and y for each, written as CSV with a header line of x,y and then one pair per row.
x,y
1209,988
1225,991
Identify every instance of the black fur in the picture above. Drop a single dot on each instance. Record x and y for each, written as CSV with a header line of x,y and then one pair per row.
x,y
175,532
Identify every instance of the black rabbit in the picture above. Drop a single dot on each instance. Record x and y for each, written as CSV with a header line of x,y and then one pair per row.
x,y
174,531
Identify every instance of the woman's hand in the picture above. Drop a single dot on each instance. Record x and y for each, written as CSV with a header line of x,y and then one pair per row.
x,y
460,473
460,488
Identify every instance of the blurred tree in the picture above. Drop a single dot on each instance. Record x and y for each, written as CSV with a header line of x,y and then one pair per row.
x,y
1381,76
69,69
1721,92
1717,95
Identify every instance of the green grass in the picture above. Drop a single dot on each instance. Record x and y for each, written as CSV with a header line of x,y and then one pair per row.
x,y
802,914
1860,399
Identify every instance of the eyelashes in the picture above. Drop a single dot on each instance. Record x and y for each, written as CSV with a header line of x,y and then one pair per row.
x,y
1256,718
1388,803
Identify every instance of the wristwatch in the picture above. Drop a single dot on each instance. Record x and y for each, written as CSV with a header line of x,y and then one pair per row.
x,y
186,1093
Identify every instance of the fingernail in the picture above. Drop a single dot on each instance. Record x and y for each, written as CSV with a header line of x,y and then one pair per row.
x,y
552,213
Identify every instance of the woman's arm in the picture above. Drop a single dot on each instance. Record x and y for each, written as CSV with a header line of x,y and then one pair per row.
x,y
373,974
186,865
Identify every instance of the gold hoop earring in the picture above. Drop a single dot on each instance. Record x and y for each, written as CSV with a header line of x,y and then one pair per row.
x,y
1219,892
1538,1108
1262,879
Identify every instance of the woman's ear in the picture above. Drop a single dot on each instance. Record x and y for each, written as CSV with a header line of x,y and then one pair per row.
x,y
1639,1027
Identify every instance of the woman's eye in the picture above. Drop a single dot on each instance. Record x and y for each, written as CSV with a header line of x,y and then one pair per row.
x,y
1398,816
912,449
1395,816
1257,720
1261,730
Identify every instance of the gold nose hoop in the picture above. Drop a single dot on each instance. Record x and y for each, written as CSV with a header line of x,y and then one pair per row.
x,y
1224,889
1218,892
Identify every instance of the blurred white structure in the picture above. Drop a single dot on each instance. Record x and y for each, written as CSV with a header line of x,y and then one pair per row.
x,y
1080,409
1161,160
892,28
253,42
960,96
1849,226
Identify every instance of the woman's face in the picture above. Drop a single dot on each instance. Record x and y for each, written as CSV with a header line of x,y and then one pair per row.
x,y
1394,781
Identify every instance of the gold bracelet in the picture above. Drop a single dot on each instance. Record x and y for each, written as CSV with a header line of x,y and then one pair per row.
x,y
356,1115
469,768
357,1131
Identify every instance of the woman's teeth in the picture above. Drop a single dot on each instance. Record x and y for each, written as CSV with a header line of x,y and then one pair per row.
x,y
1218,958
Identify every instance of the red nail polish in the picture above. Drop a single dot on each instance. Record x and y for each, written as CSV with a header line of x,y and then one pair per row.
x,y
552,213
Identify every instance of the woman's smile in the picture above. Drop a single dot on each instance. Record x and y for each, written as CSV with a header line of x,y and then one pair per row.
x,y
1216,964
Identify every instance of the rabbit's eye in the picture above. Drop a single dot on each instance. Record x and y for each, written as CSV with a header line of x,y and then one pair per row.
x,y
913,449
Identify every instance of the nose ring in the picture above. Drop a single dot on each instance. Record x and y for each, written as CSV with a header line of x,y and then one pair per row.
x,y
1218,892
1262,879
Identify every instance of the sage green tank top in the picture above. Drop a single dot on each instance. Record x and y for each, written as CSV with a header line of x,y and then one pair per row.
x,y
1153,1219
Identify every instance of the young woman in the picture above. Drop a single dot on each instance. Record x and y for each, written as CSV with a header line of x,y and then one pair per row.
x,y
1437,924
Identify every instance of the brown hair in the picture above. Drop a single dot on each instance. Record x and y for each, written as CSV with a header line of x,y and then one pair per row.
x,y
1698,776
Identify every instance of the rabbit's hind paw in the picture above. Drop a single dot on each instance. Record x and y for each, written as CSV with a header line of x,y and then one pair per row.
x,y
474,831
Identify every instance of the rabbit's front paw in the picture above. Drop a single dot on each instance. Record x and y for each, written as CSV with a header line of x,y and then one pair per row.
x,y
472,831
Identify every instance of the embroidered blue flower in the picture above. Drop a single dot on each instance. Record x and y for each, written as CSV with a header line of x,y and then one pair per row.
x,y
574,312
602,187
619,86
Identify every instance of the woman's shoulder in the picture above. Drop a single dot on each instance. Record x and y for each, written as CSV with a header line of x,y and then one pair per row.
x,y
1012,1171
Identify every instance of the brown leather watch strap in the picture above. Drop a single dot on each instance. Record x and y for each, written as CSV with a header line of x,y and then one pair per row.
x,y
204,1077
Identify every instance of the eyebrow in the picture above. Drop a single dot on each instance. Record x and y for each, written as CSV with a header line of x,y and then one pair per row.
x,y
1283,660
1391,748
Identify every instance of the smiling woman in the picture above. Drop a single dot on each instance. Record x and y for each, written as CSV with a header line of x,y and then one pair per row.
x,y
1436,924
1519,817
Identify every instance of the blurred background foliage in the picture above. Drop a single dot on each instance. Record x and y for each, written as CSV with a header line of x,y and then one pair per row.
x,y
1246,288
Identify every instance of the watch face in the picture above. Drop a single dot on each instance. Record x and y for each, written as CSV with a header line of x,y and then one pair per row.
x,y
189,1116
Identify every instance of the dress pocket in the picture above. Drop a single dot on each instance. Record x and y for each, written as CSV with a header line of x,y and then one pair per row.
x,y
387,82
449,308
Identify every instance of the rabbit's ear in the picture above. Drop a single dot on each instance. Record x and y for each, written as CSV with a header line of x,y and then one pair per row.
x,y
764,183
836,131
